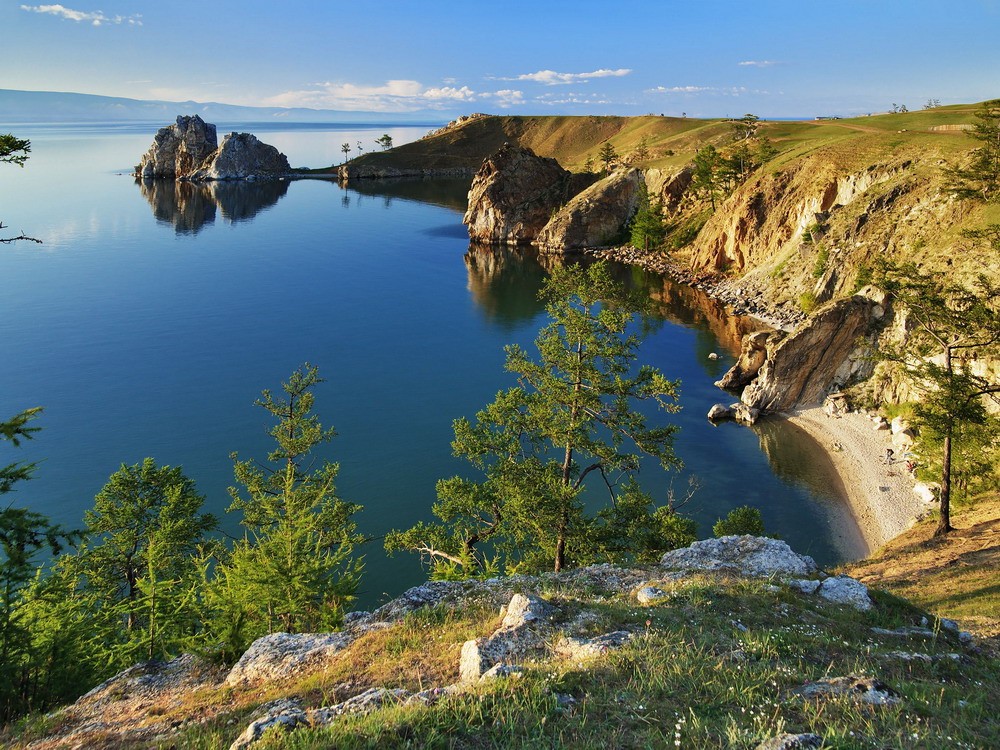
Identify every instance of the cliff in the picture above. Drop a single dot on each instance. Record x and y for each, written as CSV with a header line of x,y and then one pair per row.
x,y
737,641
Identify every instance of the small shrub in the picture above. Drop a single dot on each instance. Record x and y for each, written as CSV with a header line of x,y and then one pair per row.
x,y
819,268
808,302
745,519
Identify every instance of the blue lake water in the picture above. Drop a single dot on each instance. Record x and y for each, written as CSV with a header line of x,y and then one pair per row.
x,y
150,319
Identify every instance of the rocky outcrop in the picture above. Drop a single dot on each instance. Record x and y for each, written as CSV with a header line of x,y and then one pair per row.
x,y
523,632
277,655
594,218
189,150
242,157
820,356
753,354
745,555
668,187
178,149
514,194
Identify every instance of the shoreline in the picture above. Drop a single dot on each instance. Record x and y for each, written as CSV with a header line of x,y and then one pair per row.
x,y
879,495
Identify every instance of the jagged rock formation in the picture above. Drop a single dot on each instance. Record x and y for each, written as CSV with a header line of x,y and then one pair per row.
x,y
668,187
189,150
240,157
178,149
514,194
818,357
753,354
595,217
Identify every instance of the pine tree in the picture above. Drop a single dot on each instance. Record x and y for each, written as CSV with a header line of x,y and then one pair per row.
x,y
980,178
295,569
572,418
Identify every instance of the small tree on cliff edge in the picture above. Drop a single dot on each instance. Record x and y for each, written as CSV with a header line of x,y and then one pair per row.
x,y
979,179
947,327
14,151
570,419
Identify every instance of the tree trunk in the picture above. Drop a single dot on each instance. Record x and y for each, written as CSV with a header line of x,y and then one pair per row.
x,y
944,522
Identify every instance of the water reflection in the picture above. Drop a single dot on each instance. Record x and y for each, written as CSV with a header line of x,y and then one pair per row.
x,y
189,206
447,192
505,281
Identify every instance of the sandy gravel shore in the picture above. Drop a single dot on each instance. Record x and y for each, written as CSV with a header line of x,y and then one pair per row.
x,y
881,496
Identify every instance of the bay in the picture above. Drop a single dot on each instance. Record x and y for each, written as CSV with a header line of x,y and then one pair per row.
x,y
150,319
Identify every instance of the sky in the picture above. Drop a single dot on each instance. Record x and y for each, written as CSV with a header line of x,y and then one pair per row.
x,y
702,58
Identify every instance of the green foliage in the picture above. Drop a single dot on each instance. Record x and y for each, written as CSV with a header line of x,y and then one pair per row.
x,y
14,150
385,141
746,127
647,229
295,569
947,327
607,156
145,530
745,519
822,258
588,165
706,179
979,179
641,151
570,418
684,233
808,302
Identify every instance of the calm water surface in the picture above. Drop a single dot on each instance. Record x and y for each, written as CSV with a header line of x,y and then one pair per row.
x,y
151,317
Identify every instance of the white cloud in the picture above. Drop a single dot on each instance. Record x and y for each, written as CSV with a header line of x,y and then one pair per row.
x,y
95,18
552,78
679,89
391,96
505,97
721,90
757,63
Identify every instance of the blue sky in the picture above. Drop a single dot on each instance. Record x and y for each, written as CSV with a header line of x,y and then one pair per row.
x,y
700,57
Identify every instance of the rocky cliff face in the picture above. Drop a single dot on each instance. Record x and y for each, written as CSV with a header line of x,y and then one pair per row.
x,y
595,217
178,149
242,156
513,196
823,354
189,150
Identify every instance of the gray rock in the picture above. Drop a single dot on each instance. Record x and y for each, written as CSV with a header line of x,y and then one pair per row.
x,y
804,585
744,413
502,671
242,156
747,555
285,718
178,149
363,703
949,625
846,590
718,412
522,633
650,594
585,648
280,655
792,742
859,689
524,609
905,631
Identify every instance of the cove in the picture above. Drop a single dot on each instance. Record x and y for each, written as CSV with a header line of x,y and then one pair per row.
x,y
154,315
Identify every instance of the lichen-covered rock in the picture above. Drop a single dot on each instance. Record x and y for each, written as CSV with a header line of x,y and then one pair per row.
x,y
596,217
279,655
650,594
867,690
584,648
803,367
846,590
523,631
747,555
792,742
242,156
283,714
514,194
178,149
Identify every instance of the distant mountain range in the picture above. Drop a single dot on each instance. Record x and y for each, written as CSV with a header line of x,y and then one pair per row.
x,y
56,107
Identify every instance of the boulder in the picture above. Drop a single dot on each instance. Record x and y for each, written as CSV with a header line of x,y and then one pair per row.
x,y
596,217
820,354
718,412
805,741
846,590
514,194
279,655
584,648
240,157
178,149
522,632
867,690
747,555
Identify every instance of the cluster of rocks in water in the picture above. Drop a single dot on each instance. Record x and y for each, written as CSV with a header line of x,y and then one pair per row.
x,y
189,150
532,630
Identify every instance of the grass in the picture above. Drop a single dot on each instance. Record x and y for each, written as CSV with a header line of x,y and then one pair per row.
x,y
712,666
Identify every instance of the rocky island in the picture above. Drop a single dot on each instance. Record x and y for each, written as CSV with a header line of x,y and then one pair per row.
x,y
189,150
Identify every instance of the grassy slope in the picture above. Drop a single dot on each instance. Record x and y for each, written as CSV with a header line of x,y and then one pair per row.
x,y
713,665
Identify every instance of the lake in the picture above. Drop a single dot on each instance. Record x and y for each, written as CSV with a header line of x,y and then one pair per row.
x,y
152,317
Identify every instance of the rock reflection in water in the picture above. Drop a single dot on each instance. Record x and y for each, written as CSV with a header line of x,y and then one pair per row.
x,y
189,206
505,281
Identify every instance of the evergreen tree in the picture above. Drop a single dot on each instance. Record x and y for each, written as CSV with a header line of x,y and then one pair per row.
x,y
570,419
146,531
295,569
706,179
14,151
947,327
607,156
980,178
647,229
